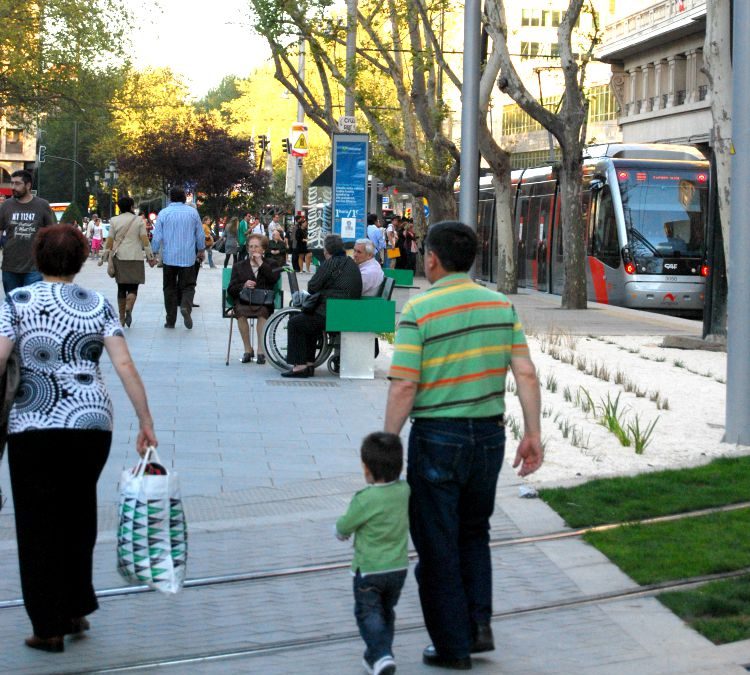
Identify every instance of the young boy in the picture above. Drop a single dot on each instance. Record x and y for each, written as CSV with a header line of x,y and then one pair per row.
x,y
379,517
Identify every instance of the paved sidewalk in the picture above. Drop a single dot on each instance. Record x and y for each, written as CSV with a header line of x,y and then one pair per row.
x,y
266,466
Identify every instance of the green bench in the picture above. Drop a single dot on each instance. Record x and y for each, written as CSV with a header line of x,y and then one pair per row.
x,y
359,321
404,285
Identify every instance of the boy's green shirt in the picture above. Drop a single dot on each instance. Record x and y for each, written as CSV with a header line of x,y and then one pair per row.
x,y
378,516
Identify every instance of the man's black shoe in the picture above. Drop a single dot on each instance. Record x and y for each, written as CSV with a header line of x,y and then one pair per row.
x,y
430,657
194,305
483,640
186,317
168,325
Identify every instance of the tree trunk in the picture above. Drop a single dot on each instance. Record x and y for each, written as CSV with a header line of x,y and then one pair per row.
x,y
571,175
442,204
506,239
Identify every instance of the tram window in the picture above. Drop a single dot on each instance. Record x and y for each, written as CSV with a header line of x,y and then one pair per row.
x,y
606,245
532,227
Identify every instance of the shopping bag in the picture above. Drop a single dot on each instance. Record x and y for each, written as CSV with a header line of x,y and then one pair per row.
x,y
152,534
393,252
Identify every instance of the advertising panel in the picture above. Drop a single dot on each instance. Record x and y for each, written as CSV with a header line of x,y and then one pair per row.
x,y
350,170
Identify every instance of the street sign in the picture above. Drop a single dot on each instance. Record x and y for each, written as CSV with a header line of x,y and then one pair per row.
x,y
348,124
298,140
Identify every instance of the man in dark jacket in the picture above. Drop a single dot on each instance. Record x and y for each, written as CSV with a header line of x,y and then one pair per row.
x,y
337,277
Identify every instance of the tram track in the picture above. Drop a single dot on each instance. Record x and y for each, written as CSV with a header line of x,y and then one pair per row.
x,y
283,646
338,564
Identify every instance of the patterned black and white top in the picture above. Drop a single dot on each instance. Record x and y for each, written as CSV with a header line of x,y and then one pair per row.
x,y
59,331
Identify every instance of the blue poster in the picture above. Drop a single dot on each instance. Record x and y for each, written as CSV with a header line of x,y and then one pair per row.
x,y
350,153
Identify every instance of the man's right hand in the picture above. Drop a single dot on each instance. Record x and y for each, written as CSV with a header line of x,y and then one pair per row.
x,y
530,455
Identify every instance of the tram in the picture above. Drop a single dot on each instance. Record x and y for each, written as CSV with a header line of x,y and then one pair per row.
x,y
645,208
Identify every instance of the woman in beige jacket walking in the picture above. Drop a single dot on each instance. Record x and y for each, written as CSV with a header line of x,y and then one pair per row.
x,y
127,242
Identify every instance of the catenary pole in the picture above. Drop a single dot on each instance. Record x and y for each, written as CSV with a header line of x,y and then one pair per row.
x,y
470,115
351,55
738,317
298,166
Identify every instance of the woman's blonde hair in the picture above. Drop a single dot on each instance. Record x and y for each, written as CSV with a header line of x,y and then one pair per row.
x,y
233,225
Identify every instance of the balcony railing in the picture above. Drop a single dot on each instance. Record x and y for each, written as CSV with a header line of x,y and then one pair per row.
x,y
702,92
661,12
679,98
664,100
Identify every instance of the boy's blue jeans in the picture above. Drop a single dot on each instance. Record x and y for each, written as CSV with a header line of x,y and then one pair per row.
x,y
375,596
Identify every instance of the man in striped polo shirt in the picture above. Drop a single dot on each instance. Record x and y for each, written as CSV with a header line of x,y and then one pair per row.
x,y
454,345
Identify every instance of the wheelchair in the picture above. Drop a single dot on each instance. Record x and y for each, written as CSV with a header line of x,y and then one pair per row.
x,y
275,335
328,347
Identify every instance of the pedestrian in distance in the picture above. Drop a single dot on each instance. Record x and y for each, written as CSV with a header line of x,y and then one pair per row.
x,y
453,347
127,242
21,218
378,518
232,246
178,234
60,431
209,237
304,255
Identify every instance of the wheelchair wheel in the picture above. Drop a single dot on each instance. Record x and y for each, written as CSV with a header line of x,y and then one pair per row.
x,y
334,365
275,340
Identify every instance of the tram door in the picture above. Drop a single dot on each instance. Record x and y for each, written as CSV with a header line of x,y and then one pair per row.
x,y
525,278
544,195
487,255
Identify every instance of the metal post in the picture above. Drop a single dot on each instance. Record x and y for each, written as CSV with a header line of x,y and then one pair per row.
x,y
373,194
75,158
351,55
299,172
738,319
470,115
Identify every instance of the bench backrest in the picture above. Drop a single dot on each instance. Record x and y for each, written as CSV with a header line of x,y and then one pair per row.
x,y
386,288
366,315
226,300
401,277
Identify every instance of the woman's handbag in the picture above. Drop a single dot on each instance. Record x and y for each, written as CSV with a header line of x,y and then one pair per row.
x,y
393,253
220,245
257,296
111,257
152,535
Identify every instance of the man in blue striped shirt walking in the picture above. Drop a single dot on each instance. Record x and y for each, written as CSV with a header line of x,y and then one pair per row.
x,y
178,233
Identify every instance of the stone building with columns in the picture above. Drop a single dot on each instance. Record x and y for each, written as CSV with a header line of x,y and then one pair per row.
x,y
656,53
17,151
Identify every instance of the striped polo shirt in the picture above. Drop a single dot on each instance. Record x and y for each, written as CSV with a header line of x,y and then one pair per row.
x,y
456,341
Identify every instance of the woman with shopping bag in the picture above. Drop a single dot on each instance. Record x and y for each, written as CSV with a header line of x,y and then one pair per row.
x,y
60,431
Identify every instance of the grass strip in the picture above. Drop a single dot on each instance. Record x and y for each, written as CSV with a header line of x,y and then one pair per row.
x,y
680,549
720,610
613,500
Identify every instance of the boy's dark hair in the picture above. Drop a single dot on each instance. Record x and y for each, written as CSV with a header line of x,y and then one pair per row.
x,y
371,219
454,243
383,454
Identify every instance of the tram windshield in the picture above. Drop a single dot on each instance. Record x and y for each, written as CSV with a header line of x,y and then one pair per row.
x,y
665,212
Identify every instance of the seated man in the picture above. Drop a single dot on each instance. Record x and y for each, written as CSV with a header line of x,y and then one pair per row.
x,y
369,268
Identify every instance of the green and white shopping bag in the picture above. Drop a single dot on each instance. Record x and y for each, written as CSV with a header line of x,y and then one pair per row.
x,y
152,534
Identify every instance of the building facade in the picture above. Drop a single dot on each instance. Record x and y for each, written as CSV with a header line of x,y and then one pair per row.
x,y
656,55
17,150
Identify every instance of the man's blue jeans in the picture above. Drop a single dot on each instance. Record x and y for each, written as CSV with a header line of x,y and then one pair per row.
x,y
13,280
375,596
452,472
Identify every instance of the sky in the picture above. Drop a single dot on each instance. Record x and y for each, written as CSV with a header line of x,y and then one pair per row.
x,y
203,41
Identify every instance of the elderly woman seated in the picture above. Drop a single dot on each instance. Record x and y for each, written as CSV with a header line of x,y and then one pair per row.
x,y
252,272
337,277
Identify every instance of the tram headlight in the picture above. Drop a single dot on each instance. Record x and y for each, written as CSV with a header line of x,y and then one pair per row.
x,y
627,259
705,270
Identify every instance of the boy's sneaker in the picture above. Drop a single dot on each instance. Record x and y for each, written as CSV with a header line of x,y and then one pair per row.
x,y
384,666
367,667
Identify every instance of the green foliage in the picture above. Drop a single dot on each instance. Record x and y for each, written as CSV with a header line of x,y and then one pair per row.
x,y
613,500
610,417
54,52
72,214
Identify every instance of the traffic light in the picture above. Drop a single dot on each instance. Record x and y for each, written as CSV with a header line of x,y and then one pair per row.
x,y
42,154
92,203
115,195
285,146
263,142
